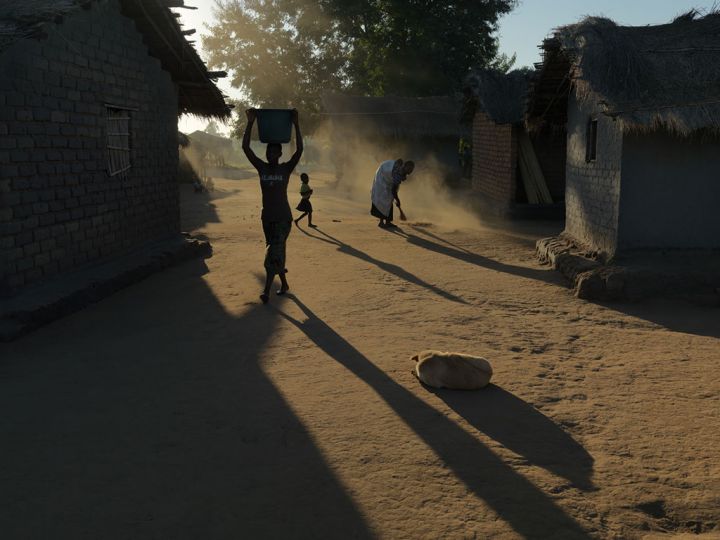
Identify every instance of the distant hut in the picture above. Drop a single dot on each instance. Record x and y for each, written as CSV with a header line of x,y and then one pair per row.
x,y
409,127
512,173
214,150
89,99
641,109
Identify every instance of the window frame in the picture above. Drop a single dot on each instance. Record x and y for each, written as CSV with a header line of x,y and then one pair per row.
x,y
119,139
591,140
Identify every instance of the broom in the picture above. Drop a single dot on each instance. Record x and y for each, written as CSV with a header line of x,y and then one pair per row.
x,y
403,217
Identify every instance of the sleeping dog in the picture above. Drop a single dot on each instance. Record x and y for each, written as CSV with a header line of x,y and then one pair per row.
x,y
452,370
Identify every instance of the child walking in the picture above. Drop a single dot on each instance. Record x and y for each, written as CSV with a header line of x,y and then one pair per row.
x,y
305,206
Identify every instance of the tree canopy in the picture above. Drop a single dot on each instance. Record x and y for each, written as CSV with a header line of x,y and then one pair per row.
x,y
288,52
416,47
212,128
280,52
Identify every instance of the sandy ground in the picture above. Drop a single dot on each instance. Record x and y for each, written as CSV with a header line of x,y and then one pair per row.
x,y
182,408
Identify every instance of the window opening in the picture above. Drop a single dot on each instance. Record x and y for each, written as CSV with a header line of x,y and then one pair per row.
x,y
591,141
118,140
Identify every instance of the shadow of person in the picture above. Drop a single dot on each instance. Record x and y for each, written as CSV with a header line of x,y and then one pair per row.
x,y
523,429
461,254
529,511
157,420
440,239
394,269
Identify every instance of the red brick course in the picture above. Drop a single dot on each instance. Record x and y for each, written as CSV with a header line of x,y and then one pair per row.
x,y
494,161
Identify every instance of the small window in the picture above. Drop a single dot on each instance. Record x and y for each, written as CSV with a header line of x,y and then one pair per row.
x,y
591,141
118,140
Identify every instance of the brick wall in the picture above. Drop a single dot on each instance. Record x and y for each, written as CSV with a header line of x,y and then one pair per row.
x,y
494,162
592,189
59,208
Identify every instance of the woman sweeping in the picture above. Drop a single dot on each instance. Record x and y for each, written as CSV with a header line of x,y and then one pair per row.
x,y
389,176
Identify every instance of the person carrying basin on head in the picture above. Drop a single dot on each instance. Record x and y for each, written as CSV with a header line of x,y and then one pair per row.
x,y
390,174
276,214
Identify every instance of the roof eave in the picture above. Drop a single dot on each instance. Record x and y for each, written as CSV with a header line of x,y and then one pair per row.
x,y
198,93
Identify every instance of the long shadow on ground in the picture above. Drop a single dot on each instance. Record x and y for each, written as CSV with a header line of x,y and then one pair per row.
x,y
674,314
156,420
444,247
530,512
523,429
347,249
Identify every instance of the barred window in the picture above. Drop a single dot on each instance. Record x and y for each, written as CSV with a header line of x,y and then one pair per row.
x,y
118,140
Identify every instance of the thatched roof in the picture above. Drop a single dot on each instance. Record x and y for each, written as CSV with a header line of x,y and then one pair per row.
x,y
210,142
395,117
161,31
649,77
500,95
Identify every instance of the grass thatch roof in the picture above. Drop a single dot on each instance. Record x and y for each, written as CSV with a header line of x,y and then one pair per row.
x,y
210,142
501,96
21,19
394,117
649,77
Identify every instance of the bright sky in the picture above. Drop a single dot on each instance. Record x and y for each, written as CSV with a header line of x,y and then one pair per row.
x,y
523,29
520,32
197,19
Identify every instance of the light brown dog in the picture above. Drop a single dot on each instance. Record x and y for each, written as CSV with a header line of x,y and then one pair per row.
x,y
452,370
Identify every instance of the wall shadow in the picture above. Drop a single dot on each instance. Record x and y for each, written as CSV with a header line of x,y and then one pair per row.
x,y
231,173
523,231
193,215
671,313
529,511
160,423
674,314
523,429
393,269
451,250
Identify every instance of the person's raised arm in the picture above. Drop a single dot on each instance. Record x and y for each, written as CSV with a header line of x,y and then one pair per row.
x,y
295,159
256,161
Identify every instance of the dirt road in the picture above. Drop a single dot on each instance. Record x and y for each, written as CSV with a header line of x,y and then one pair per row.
x,y
182,408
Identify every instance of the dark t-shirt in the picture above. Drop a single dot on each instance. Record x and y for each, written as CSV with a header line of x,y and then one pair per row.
x,y
274,182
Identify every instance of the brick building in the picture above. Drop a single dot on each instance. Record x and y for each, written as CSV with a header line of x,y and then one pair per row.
x,y
495,107
89,99
640,107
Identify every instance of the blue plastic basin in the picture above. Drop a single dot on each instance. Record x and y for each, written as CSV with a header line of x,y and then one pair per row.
x,y
274,125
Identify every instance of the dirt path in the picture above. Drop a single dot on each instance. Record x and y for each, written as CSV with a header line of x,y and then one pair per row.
x,y
181,408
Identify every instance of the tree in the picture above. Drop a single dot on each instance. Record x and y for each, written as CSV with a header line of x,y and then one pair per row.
x,y
417,47
212,128
288,52
504,63
281,53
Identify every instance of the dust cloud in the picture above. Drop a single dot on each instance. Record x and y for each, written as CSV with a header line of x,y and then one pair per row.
x,y
192,164
426,195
